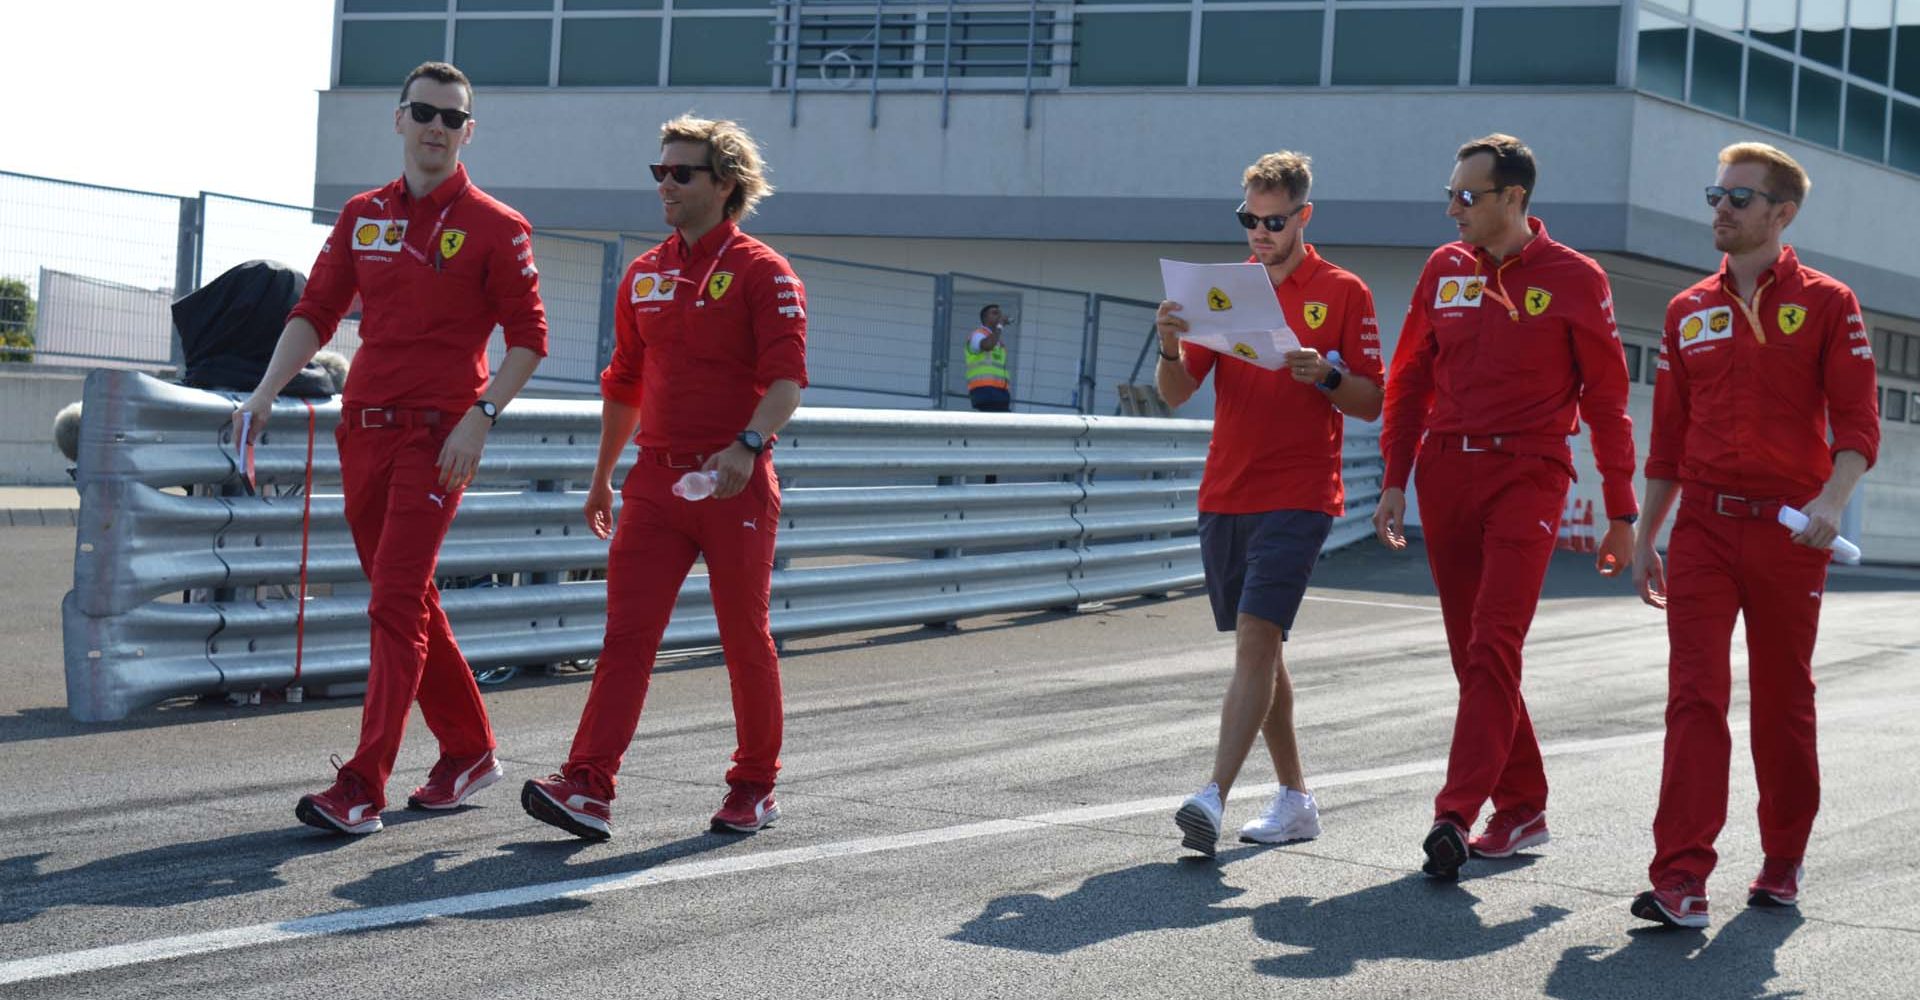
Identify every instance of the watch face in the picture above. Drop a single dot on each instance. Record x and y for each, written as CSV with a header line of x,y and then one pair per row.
x,y
752,440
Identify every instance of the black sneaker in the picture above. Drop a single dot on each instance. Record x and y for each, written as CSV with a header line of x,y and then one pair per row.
x,y
1446,847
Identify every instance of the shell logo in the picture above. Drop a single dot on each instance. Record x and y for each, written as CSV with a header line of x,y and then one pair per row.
x,y
643,286
1690,329
1449,291
366,234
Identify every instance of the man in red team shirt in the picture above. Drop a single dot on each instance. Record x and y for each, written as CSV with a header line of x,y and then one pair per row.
x,y
1272,486
437,264
1509,342
1764,335
709,360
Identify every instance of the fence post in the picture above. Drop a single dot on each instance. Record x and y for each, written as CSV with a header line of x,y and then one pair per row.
x,y
942,320
611,271
1089,384
188,245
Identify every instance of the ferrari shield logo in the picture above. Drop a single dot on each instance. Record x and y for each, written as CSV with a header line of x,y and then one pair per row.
x,y
1792,317
1316,314
1538,299
1246,351
1217,300
718,284
450,243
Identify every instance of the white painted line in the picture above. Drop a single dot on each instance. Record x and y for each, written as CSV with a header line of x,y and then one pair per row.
x,y
1371,604
351,921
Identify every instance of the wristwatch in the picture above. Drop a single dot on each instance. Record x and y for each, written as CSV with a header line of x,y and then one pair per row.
x,y
491,411
752,439
1628,519
1332,381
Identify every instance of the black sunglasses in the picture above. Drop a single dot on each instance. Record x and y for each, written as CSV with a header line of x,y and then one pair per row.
x,y
682,172
1273,223
423,113
1468,198
1741,197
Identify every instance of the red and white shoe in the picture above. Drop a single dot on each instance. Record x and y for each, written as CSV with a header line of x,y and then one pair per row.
x,y
453,780
1677,901
569,802
1778,883
348,806
1509,832
746,809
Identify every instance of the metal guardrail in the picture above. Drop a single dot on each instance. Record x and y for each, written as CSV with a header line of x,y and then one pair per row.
x,y
184,586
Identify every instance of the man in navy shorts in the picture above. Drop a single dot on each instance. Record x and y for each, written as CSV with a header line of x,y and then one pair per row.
x,y
1272,485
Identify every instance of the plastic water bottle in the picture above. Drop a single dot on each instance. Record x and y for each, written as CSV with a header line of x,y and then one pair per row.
x,y
1843,551
697,485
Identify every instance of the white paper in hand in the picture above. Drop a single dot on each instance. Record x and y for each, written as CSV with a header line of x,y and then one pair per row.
x,y
1843,551
1230,308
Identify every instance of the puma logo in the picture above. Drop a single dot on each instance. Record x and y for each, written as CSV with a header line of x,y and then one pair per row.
x,y
1697,296
1547,526
1456,258
438,500
752,523
378,202
1813,594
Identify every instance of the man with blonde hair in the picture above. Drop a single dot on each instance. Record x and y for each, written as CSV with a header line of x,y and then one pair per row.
x,y
708,363
1272,485
1763,335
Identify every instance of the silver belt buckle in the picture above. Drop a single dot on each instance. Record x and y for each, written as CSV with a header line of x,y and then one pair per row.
x,y
1720,505
366,415
1466,444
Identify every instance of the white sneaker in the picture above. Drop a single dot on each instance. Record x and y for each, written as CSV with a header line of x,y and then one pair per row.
x,y
1199,819
1290,816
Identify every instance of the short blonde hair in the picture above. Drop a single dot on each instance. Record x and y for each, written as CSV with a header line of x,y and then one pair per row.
x,y
1785,176
732,154
1282,171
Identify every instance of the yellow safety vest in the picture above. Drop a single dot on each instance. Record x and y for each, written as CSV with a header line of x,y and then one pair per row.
x,y
986,370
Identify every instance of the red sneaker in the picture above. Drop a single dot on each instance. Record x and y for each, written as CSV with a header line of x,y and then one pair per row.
x,y
1509,832
1778,883
569,802
453,780
348,806
747,808
1677,901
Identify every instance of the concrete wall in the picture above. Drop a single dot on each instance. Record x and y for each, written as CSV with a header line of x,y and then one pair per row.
x,y
30,395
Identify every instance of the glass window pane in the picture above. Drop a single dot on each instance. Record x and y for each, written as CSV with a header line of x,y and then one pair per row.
x,y
497,5
1819,119
1769,91
1771,21
1116,49
1866,123
1912,366
1821,30
610,52
1662,63
611,5
1719,13
394,6
504,53
1870,38
988,44
1260,47
1895,407
1906,49
1633,362
1396,46
382,53
721,51
846,43
1716,73
719,5
1906,137
1546,44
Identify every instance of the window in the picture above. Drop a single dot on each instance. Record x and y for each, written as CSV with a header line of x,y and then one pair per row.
x,y
1529,45
1866,123
1905,153
1822,31
500,5
1881,341
1913,408
610,52
1893,408
1260,47
511,53
612,5
975,30
1819,119
382,53
1719,13
1662,65
720,51
1769,91
1869,38
1138,49
1633,361
1771,21
1912,365
1906,48
395,7
1652,372
1387,47
1716,73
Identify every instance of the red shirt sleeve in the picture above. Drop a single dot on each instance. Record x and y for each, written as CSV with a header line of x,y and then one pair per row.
x,y
779,307
1671,406
513,287
1848,377
1360,339
620,382
333,283
1197,360
1604,385
1409,388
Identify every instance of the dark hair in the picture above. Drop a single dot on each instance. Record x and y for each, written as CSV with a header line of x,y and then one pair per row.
x,y
985,308
438,72
1512,162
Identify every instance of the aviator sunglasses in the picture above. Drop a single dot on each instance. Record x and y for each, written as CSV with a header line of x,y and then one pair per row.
x,y
1740,197
682,172
423,113
1272,223
1469,198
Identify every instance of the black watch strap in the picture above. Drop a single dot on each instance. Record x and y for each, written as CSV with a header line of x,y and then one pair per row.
x,y
1332,381
490,411
1628,519
752,441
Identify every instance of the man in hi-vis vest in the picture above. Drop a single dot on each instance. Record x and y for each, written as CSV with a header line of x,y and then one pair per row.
x,y
987,382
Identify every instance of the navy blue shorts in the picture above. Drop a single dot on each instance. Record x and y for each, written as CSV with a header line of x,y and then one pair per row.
x,y
1258,564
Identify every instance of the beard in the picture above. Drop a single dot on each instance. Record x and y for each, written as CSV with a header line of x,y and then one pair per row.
x,y
1278,255
1737,241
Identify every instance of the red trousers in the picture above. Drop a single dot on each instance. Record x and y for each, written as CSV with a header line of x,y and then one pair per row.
x,y
399,514
1719,567
1490,521
658,537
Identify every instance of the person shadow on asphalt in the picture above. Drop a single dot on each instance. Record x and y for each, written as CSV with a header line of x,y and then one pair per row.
x,y
1737,963
1165,895
158,877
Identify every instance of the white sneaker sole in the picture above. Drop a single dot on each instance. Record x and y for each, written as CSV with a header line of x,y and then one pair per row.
x,y
1530,840
1201,832
485,780
312,815
765,821
1292,834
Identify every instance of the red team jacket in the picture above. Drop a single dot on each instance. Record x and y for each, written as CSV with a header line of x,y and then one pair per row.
x,y
1523,348
436,274
703,332
1738,415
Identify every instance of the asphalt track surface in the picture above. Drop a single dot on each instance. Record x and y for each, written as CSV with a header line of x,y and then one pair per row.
x,y
983,813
